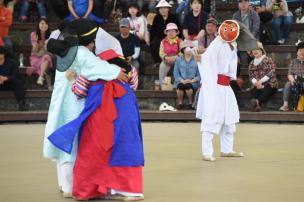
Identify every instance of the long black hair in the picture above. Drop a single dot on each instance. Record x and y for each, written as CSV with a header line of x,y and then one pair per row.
x,y
47,33
134,5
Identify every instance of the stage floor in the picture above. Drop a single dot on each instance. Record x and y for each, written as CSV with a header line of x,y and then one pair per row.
x,y
271,171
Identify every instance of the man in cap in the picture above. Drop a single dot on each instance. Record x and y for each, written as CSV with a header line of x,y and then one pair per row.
x,y
129,43
217,105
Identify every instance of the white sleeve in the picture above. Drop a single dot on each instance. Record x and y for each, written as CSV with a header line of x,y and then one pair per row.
x,y
253,81
264,79
93,68
136,53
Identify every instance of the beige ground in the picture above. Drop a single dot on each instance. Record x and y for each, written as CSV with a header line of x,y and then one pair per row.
x,y
272,171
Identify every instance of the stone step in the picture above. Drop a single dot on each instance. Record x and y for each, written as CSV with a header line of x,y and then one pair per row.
x,y
150,115
147,99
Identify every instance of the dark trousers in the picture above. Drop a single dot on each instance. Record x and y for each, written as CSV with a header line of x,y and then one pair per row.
x,y
235,87
16,86
154,46
264,94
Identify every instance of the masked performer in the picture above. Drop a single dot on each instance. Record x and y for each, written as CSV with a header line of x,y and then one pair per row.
x,y
217,105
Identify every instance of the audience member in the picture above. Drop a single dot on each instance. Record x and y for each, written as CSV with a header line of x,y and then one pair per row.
x,y
262,76
295,71
6,20
249,17
186,76
82,9
138,23
169,50
25,8
208,36
129,43
9,80
40,59
195,21
282,17
159,25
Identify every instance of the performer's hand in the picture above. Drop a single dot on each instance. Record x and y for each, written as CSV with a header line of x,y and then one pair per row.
x,y
122,76
71,75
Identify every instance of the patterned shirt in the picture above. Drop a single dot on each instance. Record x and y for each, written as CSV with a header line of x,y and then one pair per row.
x,y
296,68
265,68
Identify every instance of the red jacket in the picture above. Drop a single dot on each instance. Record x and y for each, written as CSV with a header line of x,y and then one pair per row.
x,y
6,20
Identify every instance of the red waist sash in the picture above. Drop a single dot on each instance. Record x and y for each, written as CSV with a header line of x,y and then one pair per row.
x,y
223,80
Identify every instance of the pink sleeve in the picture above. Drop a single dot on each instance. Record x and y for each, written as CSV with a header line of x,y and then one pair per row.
x,y
34,39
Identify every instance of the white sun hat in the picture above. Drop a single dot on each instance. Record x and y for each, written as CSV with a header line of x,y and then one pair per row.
x,y
163,3
165,107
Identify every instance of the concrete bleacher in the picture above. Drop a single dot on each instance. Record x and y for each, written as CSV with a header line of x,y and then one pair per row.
x,y
38,97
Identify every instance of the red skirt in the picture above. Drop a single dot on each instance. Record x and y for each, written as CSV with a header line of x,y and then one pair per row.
x,y
93,176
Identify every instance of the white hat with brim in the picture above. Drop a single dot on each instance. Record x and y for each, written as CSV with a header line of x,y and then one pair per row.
x,y
163,3
165,107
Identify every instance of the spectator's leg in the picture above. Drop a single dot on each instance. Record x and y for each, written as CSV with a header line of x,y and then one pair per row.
x,y
286,94
136,64
24,10
152,4
44,66
266,94
18,88
180,93
287,26
255,94
235,87
189,92
276,24
41,9
163,71
8,46
154,45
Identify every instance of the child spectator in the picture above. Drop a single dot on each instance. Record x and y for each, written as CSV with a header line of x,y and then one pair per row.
x,y
6,20
282,16
129,43
25,8
186,76
262,76
40,59
9,80
169,50
138,23
296,70
159,25
82,9
249,17
195,21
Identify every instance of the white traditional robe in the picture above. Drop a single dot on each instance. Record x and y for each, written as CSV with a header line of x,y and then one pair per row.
x,y
217,105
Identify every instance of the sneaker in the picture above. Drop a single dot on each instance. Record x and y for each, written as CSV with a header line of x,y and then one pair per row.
x,y
284,108
40,80
232,154
208,158
281,42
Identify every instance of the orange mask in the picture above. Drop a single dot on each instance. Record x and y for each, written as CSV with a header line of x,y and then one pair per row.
x,y
229,30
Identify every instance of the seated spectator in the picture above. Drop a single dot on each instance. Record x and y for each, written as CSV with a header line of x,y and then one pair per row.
x,y
6,20
158,26
208,36
169,50
25,8
187,77
9,80
10,4
129,43
265,15
296,70
60,8
281,17
40,59
82,9
195,21
262,76
248,17
138,23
